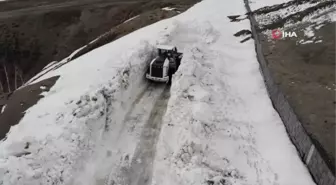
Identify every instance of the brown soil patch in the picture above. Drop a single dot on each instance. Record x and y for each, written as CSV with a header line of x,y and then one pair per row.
x,y
306,75
20,101
128,27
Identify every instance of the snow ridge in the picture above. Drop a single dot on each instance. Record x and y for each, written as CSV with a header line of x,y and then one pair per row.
x,y
70,134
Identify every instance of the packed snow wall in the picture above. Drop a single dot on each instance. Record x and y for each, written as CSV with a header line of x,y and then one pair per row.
x,y
307,149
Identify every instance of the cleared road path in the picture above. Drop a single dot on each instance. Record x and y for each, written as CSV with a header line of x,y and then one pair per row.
x,y
143,123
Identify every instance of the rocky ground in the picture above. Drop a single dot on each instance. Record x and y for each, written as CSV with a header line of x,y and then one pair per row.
x,y
304,66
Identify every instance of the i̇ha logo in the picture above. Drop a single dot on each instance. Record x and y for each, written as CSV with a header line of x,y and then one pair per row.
x,y
278,34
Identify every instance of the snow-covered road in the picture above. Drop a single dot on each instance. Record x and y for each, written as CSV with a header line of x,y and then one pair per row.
x,y
141,168
102,124
132,162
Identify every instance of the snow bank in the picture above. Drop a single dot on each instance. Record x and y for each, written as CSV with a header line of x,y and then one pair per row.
x,y
220,126
63,129
73,116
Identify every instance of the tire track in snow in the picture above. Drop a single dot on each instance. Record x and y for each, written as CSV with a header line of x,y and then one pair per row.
x,y
109,104
140,172
148,91
138,99
141,122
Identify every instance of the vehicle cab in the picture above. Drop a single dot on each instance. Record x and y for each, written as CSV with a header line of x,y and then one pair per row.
x,y
164,65
166,50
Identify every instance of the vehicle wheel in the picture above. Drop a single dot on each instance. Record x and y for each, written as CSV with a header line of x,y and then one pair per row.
x,y
170,74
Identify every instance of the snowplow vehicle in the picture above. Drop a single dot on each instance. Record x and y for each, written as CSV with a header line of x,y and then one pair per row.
x,y
162,67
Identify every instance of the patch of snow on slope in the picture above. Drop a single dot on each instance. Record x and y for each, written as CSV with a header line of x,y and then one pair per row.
x,y
271,17
132,18
256,4
168,9
306,42
316,19
3,109
51,67
43,87
321,17
50,64
308,32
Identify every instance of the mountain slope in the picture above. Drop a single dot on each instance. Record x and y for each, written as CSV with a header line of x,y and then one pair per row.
x,y
102,122
304,66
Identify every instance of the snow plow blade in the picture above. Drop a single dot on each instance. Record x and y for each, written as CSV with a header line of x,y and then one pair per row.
x,y
156,79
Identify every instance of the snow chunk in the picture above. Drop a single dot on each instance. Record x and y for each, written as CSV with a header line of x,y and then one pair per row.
x,y
322,15
306,41
197,93
131,18
168,9
3,108
43,87
308,32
